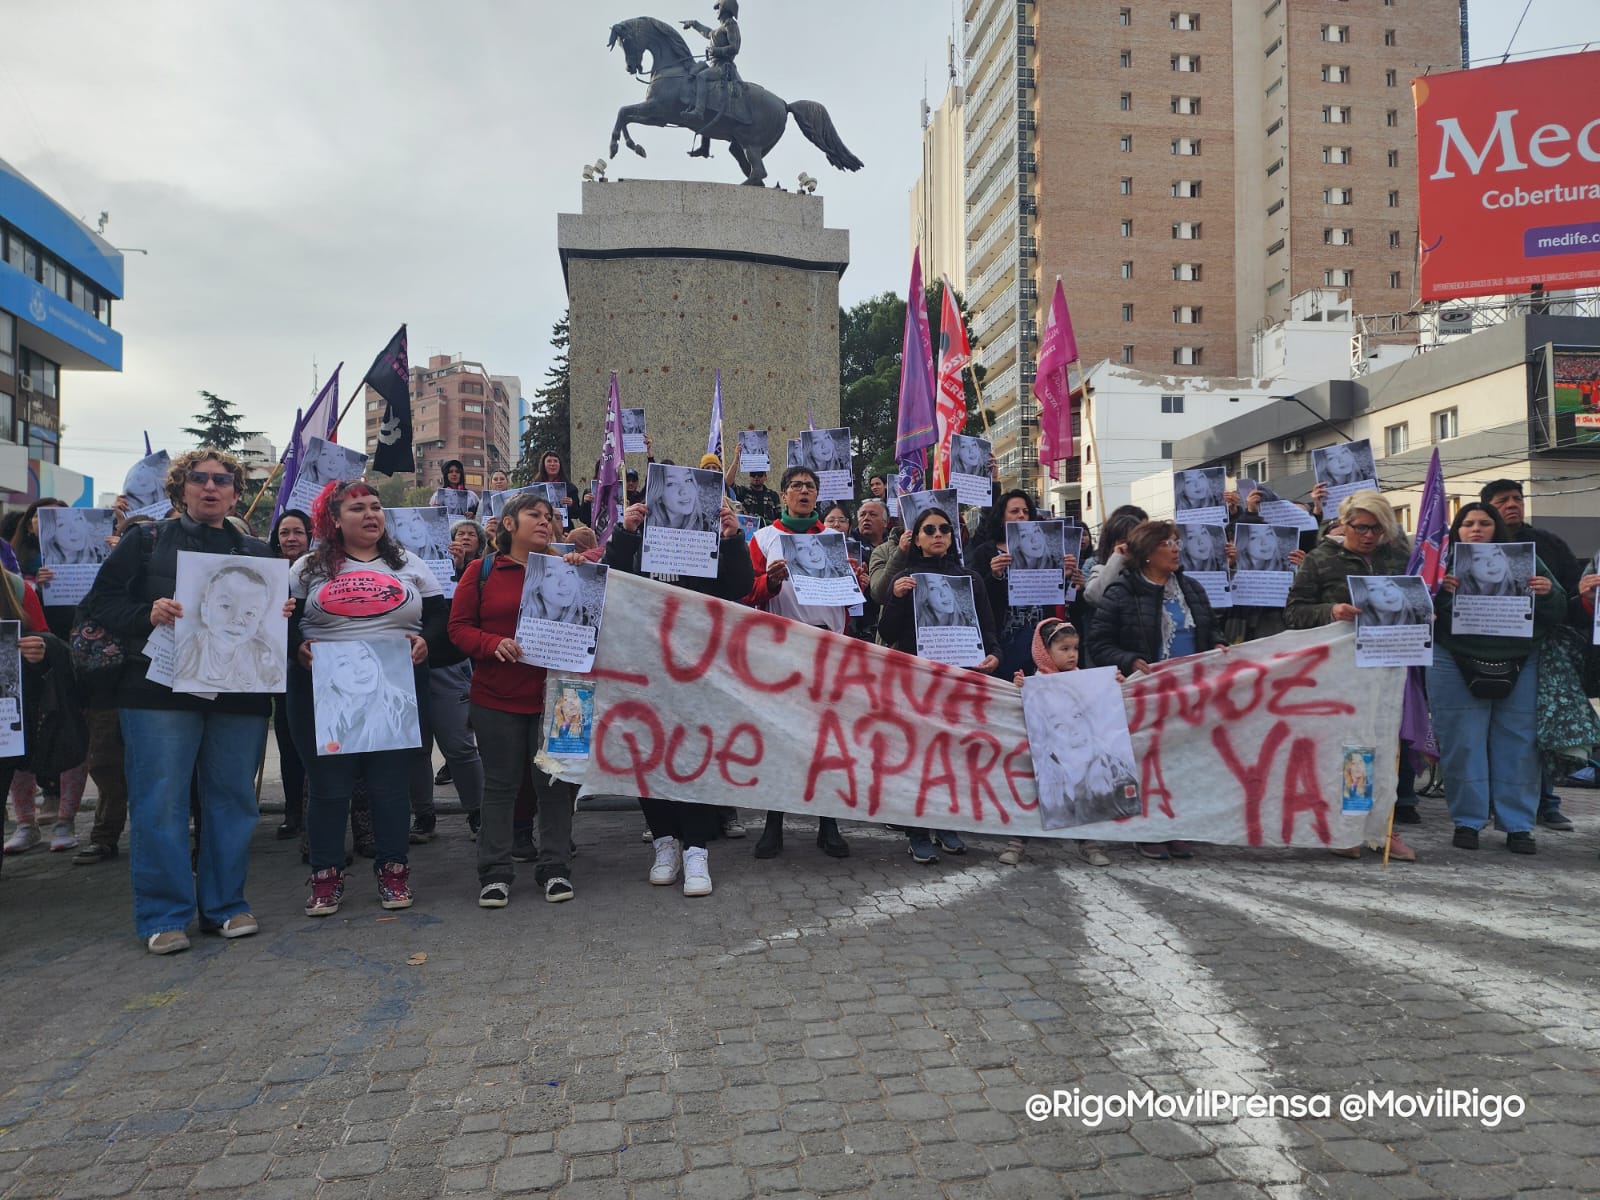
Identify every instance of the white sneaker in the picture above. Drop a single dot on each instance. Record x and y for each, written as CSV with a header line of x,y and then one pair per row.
x,y
26,837
696,872
668,861
63,837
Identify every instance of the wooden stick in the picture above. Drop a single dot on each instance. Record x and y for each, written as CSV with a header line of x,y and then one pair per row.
x,y
276,467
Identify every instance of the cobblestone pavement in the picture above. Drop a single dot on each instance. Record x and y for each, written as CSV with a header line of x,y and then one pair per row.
x,y
863,1027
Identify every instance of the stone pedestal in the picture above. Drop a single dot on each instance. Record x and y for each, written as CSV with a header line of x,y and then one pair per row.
x,y
668,281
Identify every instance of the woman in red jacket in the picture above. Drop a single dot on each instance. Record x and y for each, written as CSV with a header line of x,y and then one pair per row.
x,y
507,700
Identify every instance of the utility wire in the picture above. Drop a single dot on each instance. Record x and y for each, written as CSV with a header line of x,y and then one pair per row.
x,y
1516,31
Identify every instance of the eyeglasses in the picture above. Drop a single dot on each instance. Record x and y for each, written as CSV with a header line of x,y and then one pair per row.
x,y
1175,543
219,478
799,485
939,529
1362,530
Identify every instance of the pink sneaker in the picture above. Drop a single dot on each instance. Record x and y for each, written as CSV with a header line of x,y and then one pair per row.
x,y
327,889
394,885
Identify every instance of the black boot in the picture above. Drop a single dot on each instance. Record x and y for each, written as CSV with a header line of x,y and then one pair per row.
x,y
829,839
770,844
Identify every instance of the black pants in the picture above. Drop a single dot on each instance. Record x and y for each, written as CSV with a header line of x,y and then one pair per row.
x,y
692,824
294,771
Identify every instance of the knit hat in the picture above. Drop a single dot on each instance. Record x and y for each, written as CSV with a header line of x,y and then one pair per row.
x,y
1054,627
710,462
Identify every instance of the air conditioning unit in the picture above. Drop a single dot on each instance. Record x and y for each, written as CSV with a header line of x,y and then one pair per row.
x,y
1294,445
25,382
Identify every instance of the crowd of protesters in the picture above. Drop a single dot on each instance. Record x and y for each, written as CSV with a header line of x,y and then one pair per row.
x,y
179,772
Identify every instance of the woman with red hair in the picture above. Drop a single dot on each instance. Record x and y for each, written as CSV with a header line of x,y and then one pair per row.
x,y
358,585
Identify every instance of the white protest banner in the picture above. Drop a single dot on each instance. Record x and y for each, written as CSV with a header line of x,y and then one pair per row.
x,y
753,453
73,544
560,614
701,700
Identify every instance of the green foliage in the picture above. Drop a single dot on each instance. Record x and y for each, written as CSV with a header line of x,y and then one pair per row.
x,y
218,425
870,336
550,415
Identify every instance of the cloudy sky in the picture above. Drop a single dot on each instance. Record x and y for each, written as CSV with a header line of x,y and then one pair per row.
x,y
307,175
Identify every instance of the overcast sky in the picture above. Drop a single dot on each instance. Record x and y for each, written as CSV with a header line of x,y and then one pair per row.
x,y
307,175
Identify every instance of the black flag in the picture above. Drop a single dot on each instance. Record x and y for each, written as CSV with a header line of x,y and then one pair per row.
x,y
390,377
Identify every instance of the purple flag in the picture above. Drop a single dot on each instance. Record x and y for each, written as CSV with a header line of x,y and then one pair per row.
x,y
1427,560
714,438
291,468
147,451
324,409
608,489
917,427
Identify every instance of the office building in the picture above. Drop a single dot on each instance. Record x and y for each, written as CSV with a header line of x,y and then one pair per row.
x,y
458,411
938,225
1186,172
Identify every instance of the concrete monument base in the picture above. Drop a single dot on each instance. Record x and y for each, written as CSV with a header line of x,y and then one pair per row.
x,y
668,281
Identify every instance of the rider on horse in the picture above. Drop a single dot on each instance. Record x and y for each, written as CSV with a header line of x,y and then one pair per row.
x,y
724,48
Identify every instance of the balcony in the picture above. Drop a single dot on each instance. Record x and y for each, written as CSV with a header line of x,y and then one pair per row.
x,y
979,211
998,388
1001,233
994,311
978,56
980,287
1001,352
1000,155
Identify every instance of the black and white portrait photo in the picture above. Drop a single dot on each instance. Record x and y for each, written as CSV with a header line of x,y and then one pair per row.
x,y
72,545
145,486
945,616
1346,467
1204,548
969,469
681,528
1197,496
562,605
1262,574
1491,568
914,504
819,568
423,532
827,452
792,456
633,431
233,635
364,696
1394,621
12,737
324,462
1082,752
753,452
1038,549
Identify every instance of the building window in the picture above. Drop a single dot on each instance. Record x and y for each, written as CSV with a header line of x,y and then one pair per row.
x,y
1186,189
1332,73
1336,155
1338,277
1275,206
1166,450
1186,231
1336,33
1391,118
1184,20
1444,425
1274,127
1186,356
1186,106
1275,288
1272,48
1274,85
8,349
1187,63
1124,16
1186,146
1125,59
1336,195
1388,37
1255,469
1277,165
1389,79
1125,144
1336,114
1127,229
1394,199
1186,272
1394,239
472,408
1394,279
1127,312
1275,247
1171,404
1125,102
1396,439
1186,314
1338,237
1127,354
1127,270
1127,185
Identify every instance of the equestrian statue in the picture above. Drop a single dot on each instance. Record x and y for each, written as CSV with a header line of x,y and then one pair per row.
x,y
710,98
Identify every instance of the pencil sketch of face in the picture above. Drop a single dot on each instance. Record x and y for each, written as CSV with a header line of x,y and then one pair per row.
x,y
233,606
359,674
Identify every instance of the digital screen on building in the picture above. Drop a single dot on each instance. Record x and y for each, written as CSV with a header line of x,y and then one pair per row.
x,y
1564,399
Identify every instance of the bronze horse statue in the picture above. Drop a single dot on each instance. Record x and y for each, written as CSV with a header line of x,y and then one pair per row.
x,y
673,72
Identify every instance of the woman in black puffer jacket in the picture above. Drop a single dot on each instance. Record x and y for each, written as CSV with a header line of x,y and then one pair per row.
x,y
1151,614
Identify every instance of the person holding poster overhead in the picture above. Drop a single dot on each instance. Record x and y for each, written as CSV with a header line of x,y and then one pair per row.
x,y
991,556
679,832
452,494
932,553
507,705
1482,691
1152,614
358,585
170,736
771,591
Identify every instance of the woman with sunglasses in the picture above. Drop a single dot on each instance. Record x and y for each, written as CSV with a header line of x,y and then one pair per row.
x,y
932,551
169,736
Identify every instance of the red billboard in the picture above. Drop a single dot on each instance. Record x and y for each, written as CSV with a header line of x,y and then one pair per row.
x,y
1508,177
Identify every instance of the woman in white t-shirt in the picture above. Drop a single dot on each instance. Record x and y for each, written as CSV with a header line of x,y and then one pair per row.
x,y
359,584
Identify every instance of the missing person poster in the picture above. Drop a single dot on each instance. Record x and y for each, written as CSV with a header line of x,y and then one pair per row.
x,y
425,535
681,527
1394,625
570,721
73,542
364,696
1272,508
819,569
753,452
1082,751
233,635
1203,556
1037,574
1492,595
1197,496
146,487
946,620
827,453
1262,575
969,470
559,621
1347,468
633,431
13,741
914,504
325,462
1355,783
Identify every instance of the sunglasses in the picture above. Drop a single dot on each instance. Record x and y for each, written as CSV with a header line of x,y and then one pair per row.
x,y
940,529
219,478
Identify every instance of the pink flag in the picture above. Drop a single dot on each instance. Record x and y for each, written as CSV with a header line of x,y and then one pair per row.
x,y
1052,386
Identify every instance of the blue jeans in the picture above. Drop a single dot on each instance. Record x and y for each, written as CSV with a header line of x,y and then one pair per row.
x,y
162,749
331,778
1487,748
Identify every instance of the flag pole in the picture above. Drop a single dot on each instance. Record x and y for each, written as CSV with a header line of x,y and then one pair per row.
x,y
276,467
983,410
1099,484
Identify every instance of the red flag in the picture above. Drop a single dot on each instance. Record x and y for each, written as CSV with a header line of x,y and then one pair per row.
x,y
1052,386
955,352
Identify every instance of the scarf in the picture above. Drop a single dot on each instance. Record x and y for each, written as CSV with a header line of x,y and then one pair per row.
x,y
796,524
1169,628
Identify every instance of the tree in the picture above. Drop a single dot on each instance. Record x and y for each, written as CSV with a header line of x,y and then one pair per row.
x,y
550,416
870,337
218,425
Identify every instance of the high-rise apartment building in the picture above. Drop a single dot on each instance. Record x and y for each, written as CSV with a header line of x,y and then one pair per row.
x,y
938,206
1186,169
458,410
